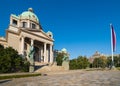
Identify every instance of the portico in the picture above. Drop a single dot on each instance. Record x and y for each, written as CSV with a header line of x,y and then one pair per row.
x,y
43,48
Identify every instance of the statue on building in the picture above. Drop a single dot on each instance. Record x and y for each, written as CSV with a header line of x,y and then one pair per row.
x,y
31,58
65,59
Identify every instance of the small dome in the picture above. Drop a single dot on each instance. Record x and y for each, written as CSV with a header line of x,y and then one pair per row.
x,y
64,50
30,9
29,15
49,33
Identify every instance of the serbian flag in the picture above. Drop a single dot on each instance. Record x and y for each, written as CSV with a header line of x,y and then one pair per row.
x,y
113,38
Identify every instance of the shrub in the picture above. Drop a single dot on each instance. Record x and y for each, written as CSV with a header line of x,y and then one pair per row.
x,y
11,61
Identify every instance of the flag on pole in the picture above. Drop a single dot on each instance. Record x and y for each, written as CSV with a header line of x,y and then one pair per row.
x,y
113,38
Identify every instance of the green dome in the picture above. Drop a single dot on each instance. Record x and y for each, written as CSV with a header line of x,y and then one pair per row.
x,y
64,50
30,15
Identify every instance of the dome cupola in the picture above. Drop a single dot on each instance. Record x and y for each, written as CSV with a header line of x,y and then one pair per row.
x,y
29,15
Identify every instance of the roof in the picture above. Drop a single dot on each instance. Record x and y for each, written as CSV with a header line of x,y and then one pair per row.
x,y
29,14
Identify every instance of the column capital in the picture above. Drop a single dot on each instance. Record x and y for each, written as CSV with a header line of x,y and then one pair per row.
x,y
22,36
51,44
44,42
32,39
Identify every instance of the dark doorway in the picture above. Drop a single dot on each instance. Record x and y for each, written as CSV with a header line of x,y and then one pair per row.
x,y
36,55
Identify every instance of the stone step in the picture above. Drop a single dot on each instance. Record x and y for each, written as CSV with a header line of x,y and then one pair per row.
x,y
49,69
40,63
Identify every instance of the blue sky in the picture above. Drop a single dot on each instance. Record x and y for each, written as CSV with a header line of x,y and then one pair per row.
x,y
80,26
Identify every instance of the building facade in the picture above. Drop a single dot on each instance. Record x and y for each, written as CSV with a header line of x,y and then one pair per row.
x,y
95,55
24,31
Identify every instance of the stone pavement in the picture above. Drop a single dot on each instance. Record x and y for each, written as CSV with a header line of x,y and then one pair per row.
x,y
68,78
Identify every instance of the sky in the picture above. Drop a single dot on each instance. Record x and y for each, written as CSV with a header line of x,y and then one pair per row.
x,y
80,26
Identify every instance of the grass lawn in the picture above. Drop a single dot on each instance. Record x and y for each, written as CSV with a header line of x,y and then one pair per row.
x,y
118,68
18,76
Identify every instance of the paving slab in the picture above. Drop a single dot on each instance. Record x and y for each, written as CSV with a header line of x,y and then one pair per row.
x,y
68,78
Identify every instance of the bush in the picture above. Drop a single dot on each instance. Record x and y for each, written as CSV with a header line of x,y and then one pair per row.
x,y
79,63
100,62
25,67
10,61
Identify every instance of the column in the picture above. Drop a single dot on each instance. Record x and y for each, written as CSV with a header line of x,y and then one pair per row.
x,y
45,60
32,64
28,23
42,55
32,42
39,55
51,53
22,45
18,23
11,20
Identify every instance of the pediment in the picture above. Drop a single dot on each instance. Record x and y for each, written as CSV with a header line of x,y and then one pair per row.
x,y
42,34
38,33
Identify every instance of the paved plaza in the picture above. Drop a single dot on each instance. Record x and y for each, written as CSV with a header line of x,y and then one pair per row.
x,y
68,78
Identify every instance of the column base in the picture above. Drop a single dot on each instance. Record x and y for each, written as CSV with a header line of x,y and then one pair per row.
x,y
31,68
65,64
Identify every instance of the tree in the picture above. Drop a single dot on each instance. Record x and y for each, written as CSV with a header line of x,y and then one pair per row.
x,y
100,62
73,64
116,61
11,61
59,58
80,63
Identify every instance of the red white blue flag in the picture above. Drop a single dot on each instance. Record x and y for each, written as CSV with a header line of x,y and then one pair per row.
x,y
113,38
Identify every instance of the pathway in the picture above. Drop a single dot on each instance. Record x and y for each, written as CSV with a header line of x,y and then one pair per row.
x,y
69,78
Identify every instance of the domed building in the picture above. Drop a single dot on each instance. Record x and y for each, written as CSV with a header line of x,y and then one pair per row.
x,y
25,31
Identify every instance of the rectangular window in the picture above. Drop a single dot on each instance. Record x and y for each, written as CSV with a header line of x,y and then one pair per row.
x,y
14,22
33,26
24,24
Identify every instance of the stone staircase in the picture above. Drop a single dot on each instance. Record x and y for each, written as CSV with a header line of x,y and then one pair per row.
x,y
44,68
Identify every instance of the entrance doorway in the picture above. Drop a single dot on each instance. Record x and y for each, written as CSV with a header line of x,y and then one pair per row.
x,y
36,54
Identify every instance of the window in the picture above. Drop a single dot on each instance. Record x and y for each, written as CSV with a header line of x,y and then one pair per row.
x,y
25,47
14,22
24,24
33,26
50,35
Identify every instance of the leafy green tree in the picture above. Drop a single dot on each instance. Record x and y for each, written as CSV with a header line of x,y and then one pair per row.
x,y
116,61
10,61
109,61
73,64
79,63
59,58
82,62
100,62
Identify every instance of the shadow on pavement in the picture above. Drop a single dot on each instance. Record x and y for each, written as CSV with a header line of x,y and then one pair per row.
x,y
4,81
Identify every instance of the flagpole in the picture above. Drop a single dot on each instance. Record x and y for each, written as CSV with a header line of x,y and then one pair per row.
x,y
112,63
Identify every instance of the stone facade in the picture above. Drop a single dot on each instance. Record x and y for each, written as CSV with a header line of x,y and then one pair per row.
x,y
95,55
25,30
